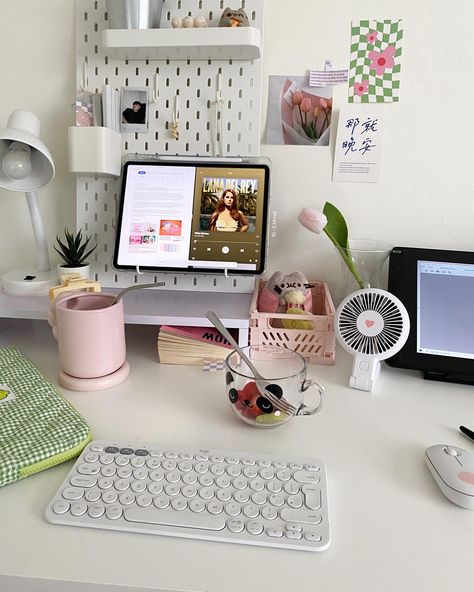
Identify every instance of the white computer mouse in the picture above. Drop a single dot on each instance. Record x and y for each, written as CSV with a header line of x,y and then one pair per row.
x,y
453,470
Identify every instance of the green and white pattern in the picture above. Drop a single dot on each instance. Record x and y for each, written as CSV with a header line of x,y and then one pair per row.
x,y
38,428
379,87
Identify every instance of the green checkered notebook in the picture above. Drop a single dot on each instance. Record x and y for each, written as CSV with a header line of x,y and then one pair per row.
x,y
38,428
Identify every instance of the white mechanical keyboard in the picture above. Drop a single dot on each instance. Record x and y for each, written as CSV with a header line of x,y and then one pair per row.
x,y
254,499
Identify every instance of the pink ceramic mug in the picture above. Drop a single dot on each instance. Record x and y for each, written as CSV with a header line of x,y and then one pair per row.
x,y
90,331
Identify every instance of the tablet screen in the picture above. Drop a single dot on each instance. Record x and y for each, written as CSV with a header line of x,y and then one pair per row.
x,y
437,288
185,216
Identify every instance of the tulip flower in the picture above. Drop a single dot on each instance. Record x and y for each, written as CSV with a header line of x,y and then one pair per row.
x,y
312,220
297,97
332,222
305,105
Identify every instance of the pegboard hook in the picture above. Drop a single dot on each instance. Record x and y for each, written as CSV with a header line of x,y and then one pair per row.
x,y
85,78
155,92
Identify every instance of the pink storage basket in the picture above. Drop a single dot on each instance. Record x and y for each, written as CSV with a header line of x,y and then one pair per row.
x,y
317,345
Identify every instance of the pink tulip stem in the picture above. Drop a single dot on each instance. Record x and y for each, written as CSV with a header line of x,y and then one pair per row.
x,y
301,116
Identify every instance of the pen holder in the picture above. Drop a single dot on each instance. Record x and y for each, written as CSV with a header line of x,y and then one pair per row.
x,y
90,331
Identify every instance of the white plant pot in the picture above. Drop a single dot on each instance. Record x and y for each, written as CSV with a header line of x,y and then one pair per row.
x,y
82,271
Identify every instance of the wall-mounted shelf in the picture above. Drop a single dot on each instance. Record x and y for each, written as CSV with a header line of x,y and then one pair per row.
x,y
153,307
213,43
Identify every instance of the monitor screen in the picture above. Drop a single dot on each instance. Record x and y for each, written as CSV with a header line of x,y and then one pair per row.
x,y
437,288
190,216
445,305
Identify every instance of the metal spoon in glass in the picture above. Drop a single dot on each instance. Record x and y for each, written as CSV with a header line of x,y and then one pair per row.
x,y
261,382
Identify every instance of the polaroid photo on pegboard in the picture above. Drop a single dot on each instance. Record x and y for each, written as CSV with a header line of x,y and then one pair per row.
x,y
134,109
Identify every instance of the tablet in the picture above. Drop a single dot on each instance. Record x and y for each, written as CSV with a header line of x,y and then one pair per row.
x,y
437,288
189,216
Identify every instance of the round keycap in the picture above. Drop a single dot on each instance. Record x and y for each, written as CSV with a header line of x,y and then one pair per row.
x,y
162,501
96,511
122,485
78,508
179,503
251,511
255,527
235,525
189,478
214,507
172,489
110,497
154,488
269,513
61,507
144,500
93,494
127,498
196,505
233,509
124,472
153,463
73,493
224,495
206,493
113,512
140,486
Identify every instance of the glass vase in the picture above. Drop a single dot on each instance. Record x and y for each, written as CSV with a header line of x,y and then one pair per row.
x,y
368,258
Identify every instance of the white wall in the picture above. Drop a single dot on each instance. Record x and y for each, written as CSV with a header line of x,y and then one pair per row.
x,y
425,196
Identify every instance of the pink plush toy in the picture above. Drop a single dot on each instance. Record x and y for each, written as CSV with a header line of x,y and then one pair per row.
x,y
282,292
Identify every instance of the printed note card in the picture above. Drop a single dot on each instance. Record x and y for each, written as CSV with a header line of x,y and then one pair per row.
x,y
376,50
358,150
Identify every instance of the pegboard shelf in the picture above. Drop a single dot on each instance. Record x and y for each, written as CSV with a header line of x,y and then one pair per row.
x,y
152,307
213,43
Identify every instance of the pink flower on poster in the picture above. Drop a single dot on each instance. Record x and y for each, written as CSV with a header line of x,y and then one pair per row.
x,y
382,60
372,36
361,88
306,105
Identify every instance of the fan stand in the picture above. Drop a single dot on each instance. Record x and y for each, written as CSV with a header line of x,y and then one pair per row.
x,y
365,372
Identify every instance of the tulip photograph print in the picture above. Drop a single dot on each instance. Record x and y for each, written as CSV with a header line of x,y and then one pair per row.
x,y
376,50
297,113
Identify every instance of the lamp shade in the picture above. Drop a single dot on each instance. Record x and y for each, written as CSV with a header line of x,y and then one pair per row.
x,y
24,127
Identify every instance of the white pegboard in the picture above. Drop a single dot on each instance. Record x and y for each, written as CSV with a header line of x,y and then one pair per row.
x,y
195,81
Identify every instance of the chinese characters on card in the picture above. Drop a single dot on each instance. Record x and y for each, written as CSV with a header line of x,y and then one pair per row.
x,y
358,145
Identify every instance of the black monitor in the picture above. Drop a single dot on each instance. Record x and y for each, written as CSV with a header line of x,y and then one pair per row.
x,y
437,288
186,215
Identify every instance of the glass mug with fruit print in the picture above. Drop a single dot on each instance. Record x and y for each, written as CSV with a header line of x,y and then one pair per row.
x,y
279,392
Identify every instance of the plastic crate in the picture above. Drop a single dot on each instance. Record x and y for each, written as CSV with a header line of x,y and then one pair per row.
x,y
316,345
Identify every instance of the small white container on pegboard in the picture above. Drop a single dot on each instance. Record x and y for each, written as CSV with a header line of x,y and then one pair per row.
x,y
310,335
94,150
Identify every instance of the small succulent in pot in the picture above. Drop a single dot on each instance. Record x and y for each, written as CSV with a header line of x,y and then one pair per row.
x,y
73,250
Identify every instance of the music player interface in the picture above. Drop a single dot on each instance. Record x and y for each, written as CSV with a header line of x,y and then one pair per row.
x,y
192,217
444,300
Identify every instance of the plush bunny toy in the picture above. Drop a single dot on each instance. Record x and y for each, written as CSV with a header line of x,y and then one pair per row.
x,y
282,292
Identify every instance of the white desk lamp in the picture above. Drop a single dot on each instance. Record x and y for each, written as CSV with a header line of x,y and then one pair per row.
x,y
26,165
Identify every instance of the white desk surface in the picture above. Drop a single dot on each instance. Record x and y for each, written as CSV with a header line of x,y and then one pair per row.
x,y
392,528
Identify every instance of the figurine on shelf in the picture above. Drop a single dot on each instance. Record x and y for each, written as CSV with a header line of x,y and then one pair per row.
x,y
188,22
234,18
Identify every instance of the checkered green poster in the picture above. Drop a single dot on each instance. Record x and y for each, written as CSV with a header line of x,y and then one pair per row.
x,y
376,50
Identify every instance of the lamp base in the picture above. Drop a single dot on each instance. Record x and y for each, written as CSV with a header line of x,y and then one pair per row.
x,y
29,282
